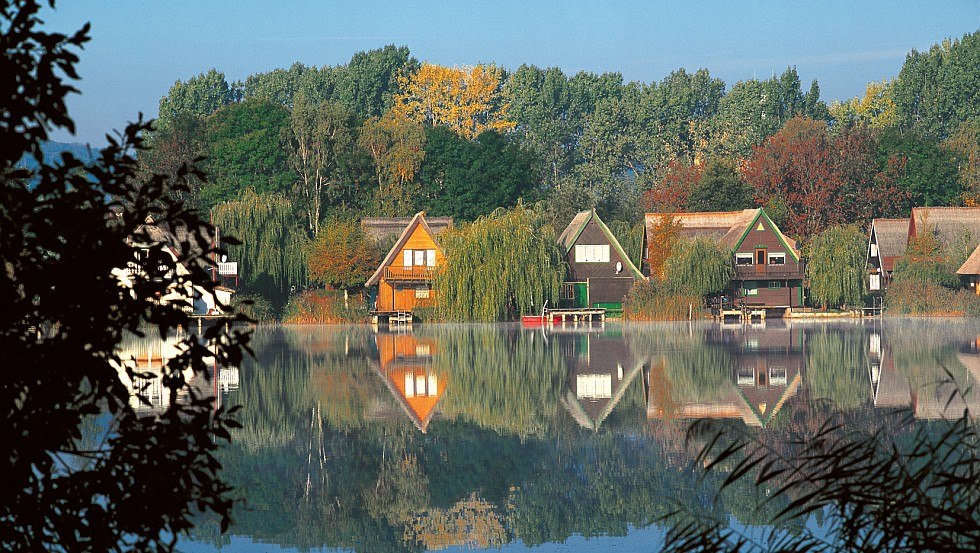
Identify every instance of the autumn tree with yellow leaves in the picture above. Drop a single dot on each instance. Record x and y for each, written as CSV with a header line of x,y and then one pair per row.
x,y
468,100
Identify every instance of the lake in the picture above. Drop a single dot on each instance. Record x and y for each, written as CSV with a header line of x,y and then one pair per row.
x,y
453,437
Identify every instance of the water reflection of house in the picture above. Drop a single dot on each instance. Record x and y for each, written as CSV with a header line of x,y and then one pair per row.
x,y
935,399
764,370
405,365
600,369
147,357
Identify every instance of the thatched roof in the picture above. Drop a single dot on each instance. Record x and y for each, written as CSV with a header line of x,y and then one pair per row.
x,y
972,264
571,232
379,228
406,233
892,236
725,227
949,224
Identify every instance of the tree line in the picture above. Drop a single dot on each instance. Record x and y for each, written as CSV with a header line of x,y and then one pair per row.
x,y
388,135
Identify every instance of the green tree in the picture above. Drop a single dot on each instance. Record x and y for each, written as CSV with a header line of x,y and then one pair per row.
x,y
245,150
321,141
835,266
503,265
720,189
928,171
200,96
469,178
939,89
397,146
964,148
368,83
282,85
66,229
699,266
170,147
271,256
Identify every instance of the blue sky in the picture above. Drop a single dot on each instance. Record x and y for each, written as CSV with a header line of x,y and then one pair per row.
x,y
139,49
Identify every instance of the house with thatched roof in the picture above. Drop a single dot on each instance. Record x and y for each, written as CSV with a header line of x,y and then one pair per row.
x,y
952,227
600,273
768,268
887,240
176,244
404,278
970,271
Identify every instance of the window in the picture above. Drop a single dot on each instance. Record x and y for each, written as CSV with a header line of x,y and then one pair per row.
x,y
745,376
419,258
422,293
874,250
777,258
592,253
760,227
751,289
566,292
874,282
777,376
775,284
407,258
430,258
593,386
743,259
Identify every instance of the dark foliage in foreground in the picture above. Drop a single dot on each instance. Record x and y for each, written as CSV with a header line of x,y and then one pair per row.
x,y
82,470
861,490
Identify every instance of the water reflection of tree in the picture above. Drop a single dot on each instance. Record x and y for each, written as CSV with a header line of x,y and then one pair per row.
x,y
837,366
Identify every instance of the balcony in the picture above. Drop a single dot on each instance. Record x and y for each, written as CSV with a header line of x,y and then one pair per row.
x,y
228,268
416,273
762,272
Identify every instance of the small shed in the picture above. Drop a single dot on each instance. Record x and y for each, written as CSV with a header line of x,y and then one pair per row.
x,y
600,274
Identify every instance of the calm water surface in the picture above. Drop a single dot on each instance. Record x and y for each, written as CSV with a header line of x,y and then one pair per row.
x,y
494,436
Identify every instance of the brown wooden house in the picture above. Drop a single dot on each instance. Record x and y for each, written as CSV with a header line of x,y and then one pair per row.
x,y
404,278
600,274
886,243
768,271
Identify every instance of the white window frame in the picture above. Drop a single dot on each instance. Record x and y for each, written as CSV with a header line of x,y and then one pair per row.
x,y
592,253
430,258
753,291
419,260
407,258
744,259
781,256
423,292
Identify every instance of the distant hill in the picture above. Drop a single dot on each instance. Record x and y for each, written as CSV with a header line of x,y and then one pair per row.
x,y
53,150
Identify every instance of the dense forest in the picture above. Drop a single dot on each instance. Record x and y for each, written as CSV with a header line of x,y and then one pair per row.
x,y
293,151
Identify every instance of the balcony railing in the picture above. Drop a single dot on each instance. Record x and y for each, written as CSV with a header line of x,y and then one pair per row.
x,y
228,268
768,271
416,273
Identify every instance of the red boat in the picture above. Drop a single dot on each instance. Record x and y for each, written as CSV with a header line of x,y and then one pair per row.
x,y
538,320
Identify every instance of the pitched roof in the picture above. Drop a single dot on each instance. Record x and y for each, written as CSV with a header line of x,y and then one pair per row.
x,y
972,264
892,236
727,228
574,229
418,219
381,227
950,224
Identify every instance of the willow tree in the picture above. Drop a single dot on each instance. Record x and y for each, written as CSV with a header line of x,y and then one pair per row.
x,y
835,266
271,255
700,266
502,265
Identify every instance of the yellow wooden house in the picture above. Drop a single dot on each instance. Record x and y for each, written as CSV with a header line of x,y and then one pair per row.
x,y
404,279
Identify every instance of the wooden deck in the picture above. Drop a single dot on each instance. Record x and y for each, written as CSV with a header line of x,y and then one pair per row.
x,y
392,318
577,314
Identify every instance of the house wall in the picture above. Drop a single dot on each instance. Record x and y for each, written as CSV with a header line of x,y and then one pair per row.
x,y
788,293
402,296
605,284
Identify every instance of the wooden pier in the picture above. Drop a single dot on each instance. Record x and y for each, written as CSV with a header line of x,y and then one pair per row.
x,y
743,314
392,318
577,315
